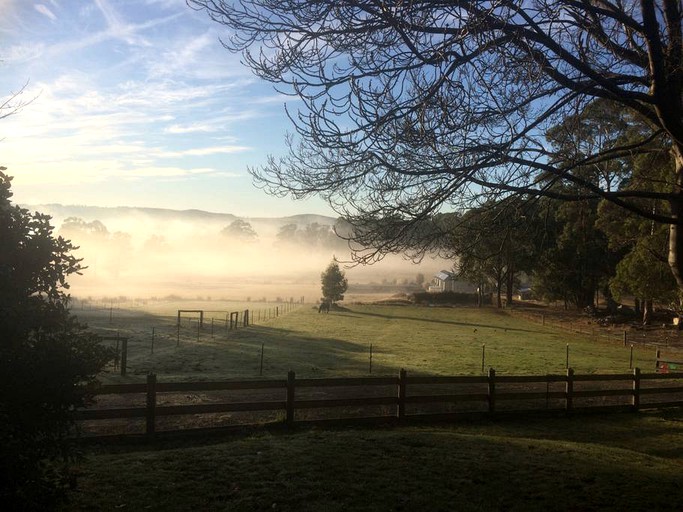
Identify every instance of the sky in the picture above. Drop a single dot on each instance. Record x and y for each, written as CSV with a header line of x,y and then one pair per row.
x,y
135,103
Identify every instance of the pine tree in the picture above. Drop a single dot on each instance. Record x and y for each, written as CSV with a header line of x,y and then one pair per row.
x,y
334,283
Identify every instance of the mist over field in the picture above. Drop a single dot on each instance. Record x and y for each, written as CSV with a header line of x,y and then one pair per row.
x,y
145,252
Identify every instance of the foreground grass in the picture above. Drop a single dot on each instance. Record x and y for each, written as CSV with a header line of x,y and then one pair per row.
x,y
440,341
619,462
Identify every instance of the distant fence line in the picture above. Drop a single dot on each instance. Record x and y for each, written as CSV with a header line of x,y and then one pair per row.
x,y
627,391
257,315
173,333
231,321
615,333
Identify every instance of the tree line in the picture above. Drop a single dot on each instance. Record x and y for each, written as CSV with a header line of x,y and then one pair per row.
x,y
310,235
575,249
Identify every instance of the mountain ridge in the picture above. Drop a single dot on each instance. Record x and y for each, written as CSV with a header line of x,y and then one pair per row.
x,y
89,213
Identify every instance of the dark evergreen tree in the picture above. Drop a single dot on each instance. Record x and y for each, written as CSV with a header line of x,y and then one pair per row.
x,y
334,283
48,360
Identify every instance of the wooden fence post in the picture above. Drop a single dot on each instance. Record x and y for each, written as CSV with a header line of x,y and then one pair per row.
x,y
636,389
492,390
291,377
569,390
124,355
657,355
150,416
370,358
483,356
402,388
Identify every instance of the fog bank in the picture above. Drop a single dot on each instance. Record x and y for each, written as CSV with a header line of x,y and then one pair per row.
x,y
145,253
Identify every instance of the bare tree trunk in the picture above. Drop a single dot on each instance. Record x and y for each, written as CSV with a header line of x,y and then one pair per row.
x,y
647,311
510,286
499,291
675,230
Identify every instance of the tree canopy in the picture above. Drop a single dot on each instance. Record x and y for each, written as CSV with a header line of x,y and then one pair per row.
x,y
411,108
48,361
240,230
334,283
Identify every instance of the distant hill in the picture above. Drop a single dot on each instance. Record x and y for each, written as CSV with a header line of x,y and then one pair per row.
x,y
119,217
102,213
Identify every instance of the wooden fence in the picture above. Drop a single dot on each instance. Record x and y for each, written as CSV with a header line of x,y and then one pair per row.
x,y
428,396
672,337
666,364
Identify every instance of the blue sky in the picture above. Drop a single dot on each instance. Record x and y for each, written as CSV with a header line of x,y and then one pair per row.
x,y
135,103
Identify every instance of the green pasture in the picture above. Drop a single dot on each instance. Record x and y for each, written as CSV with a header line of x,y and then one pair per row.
x,y
609,463
423,340
613,462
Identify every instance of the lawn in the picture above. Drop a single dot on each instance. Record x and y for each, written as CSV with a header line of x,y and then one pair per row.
x,y
577,463
423,340
617,462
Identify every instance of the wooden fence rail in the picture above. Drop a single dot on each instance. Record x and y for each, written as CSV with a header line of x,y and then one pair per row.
x,y
666,365
488,391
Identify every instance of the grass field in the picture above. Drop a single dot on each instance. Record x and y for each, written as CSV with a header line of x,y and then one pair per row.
x,y
439,341
621,462
583,463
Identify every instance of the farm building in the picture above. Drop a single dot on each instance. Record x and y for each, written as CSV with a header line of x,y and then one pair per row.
x,y
446,281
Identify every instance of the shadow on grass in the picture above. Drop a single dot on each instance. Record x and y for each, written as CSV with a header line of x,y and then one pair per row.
x,y
238,356
658,433
465,467
312,356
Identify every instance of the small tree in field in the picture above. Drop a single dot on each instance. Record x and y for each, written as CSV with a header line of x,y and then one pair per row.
x,y
334,283
48,361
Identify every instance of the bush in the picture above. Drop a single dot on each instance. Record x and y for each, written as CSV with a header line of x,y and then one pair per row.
x,y
48,361
457,298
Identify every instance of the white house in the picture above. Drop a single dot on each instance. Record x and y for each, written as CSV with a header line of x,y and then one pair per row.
x,y
443,281
446,281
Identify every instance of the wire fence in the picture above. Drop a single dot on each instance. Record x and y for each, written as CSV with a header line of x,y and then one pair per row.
x,y
626,334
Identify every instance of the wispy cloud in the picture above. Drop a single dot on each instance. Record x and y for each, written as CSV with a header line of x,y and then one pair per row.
x,y
127,91
89,134
117,27
216,150
190,128
19,53
45,11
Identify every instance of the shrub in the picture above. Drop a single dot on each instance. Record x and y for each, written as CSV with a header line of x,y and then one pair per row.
x,y
447,298
48,361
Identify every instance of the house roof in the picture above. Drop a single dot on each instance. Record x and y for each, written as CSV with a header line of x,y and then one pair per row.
x,y
444,275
